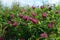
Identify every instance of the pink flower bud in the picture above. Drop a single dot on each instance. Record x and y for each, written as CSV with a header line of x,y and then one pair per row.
x,y
15,24
33,7
44,14
33,20
9,22
25,17
33,14
43,35
50,25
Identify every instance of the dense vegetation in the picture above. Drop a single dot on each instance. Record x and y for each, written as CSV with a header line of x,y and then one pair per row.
x,y
29,23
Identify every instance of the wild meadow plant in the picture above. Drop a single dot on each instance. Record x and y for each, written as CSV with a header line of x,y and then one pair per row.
x,y
30,23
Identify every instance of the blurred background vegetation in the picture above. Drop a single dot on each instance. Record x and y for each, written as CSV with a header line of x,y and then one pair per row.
x,y
16,9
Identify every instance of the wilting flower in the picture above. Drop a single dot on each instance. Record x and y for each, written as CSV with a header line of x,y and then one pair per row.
x,y
57,11
42,7
33,14
44,14
49,8
23,10
43,35
21,15
33,20
25,17
22,39
15,24
12,16
1,38
53,22
9,22
33,7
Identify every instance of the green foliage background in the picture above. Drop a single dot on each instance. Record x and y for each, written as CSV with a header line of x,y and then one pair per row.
x,y
26,29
